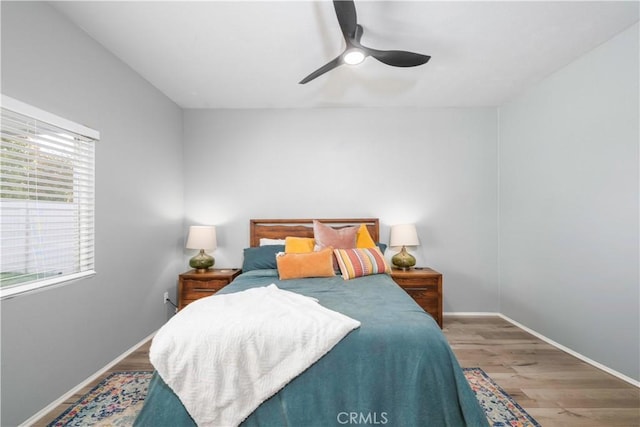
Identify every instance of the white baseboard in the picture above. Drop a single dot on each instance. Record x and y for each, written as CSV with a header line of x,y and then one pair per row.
x,y
591,362
50,407
585,359
470,313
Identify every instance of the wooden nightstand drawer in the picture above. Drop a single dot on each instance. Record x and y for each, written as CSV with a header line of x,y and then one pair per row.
x,y
204,285
418,282
424,285
425,294
194,289
427,299
193,286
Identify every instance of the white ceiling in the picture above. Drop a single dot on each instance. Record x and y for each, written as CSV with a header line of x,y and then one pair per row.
x,y
251,54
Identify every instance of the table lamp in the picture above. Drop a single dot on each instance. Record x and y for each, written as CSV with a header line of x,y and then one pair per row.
x,y
202,237
403,235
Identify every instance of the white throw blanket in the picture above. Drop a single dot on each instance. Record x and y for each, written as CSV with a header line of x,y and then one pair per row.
x,y
224,355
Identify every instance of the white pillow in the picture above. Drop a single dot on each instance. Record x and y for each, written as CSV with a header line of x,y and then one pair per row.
x,y
268,242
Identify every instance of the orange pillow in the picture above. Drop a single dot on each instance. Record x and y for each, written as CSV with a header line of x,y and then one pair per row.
x,y
363,238
298,245
312,264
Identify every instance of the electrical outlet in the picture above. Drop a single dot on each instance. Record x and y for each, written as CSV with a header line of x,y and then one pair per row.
x,y
166,297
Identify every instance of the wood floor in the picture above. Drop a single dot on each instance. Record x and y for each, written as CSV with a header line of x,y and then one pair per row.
x,y
554,387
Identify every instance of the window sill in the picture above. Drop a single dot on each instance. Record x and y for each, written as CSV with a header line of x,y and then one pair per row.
x,y
42,285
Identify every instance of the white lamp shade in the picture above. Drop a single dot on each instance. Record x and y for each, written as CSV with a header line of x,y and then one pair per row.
x,y
404,235
202,237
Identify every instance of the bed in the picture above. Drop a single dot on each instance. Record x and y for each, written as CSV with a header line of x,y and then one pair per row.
x,y
395,368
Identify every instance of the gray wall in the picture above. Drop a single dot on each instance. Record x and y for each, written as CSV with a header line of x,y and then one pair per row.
x,y
434,167
53,340
569,206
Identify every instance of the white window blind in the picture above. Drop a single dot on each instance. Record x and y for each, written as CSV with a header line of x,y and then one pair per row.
x,y
46,199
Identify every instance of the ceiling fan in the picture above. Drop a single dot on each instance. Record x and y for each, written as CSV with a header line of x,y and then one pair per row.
x,y
355,52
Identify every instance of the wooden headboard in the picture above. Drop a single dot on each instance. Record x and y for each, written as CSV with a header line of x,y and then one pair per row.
x,y
281,228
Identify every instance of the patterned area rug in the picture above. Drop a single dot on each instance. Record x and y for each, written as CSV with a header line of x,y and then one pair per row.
x,y
116,401
500,408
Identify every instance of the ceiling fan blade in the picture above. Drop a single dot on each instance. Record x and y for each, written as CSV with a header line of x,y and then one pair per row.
x,y
398,58
347,17
320,71
358,35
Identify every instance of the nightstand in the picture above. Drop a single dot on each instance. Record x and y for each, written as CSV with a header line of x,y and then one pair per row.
x,y
193,285
424,285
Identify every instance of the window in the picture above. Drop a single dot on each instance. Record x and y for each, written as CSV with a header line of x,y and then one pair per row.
x,y
46,199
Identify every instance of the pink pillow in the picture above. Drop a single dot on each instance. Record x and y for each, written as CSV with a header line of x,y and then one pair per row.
x,y
338,238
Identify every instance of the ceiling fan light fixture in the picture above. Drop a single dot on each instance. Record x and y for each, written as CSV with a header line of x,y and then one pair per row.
x,y
353,56
355,52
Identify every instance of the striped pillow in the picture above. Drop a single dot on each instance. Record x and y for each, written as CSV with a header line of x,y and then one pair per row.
x,y
360,262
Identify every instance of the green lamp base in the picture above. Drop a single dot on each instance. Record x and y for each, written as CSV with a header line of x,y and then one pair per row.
x,y
201,262
403,259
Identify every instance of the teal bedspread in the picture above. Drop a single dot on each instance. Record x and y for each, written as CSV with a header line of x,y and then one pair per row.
x,y
397,369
